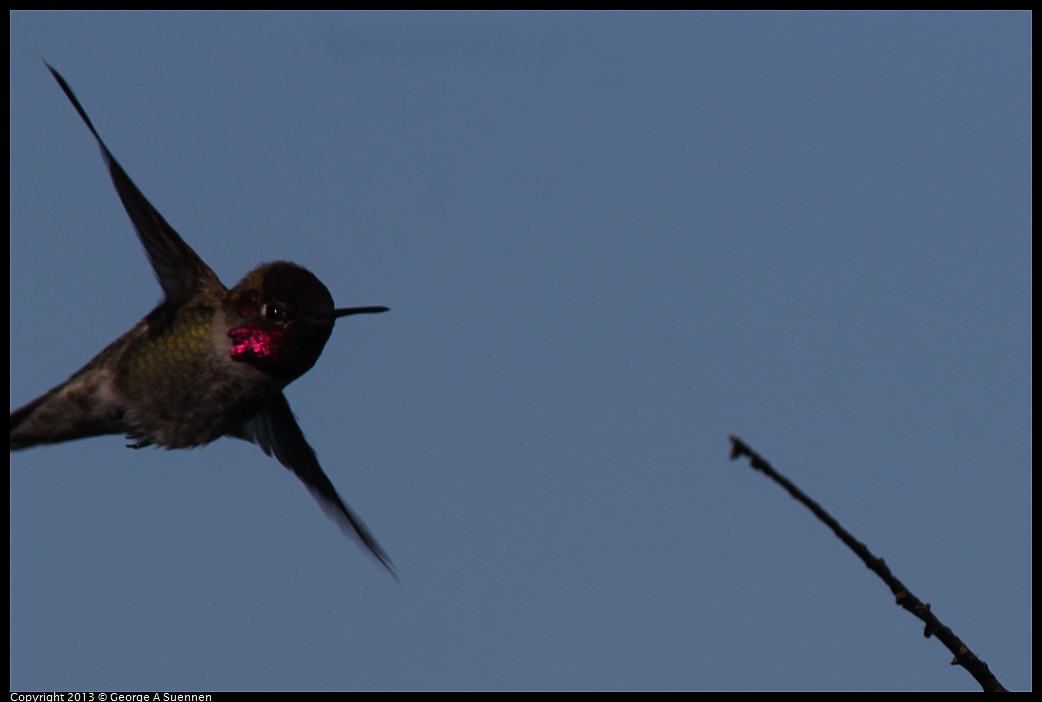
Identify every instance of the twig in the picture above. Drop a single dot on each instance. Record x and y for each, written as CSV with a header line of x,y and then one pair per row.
x,y
963,655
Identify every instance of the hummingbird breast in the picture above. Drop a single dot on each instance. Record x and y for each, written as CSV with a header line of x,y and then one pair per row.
x,y
181,387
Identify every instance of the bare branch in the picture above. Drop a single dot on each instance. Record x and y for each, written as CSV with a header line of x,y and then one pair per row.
x,y
963,655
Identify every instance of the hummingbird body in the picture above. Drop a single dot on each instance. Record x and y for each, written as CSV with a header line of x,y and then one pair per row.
x,y
206,362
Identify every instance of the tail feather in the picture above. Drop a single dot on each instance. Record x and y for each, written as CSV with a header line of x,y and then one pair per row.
x,y
74,410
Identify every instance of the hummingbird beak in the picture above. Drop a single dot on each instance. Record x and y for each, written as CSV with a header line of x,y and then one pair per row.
x,y
345,311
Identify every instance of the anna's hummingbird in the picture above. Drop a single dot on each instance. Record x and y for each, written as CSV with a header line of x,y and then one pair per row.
x,y
206,362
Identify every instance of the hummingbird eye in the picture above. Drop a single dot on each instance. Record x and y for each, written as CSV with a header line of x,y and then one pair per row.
x,y
276,311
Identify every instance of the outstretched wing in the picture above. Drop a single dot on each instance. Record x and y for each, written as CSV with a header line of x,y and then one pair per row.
x,y
276,431
181,273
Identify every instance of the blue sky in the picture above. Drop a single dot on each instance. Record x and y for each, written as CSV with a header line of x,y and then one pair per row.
x,y
608,241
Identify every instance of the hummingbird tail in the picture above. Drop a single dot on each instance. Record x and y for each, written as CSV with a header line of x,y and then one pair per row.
x,y
63,414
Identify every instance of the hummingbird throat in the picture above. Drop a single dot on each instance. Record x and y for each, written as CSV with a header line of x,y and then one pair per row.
x,y
253,342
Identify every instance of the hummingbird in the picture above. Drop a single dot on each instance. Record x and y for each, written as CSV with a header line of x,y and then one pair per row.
x,y
207,362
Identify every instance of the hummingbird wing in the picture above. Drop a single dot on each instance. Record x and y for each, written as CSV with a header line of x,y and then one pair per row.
x,y
276,431
181,273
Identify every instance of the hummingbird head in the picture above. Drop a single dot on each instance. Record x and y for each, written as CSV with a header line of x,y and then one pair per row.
x,y
281,317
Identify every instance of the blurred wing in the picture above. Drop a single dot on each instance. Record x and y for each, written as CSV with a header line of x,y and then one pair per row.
x,y
276,431
181,273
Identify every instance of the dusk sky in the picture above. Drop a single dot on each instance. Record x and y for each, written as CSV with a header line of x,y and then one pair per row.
x,y
608,242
